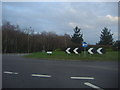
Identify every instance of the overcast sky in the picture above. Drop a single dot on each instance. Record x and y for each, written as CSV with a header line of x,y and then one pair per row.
x,y
62,17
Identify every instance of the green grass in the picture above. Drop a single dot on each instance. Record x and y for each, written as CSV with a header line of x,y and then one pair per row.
x,y
60,55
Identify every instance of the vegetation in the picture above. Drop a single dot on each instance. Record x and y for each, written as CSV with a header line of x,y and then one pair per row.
x,y
77,37
116,45
17,40
106,37
60,55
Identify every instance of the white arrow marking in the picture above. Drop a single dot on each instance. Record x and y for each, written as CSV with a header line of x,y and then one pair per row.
x,y
90,50
67,50
75,50
93,86
81,77
38,75
7,72
99,50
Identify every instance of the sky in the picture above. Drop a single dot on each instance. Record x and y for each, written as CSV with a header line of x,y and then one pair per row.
x,y
62,17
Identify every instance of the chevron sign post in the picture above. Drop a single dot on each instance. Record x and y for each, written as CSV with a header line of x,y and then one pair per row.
x,y
73,50
96,50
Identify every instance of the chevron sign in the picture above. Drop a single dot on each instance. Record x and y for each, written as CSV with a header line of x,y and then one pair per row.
x,y
94,51
73,50
90,50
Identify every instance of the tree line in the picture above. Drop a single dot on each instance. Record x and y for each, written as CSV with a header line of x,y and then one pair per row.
x,y
17,40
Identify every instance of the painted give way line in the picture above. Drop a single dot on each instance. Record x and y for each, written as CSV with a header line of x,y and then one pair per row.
x,y
82,77
7,72
38,75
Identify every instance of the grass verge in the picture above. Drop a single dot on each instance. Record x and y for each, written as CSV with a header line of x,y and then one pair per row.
x,y
61,55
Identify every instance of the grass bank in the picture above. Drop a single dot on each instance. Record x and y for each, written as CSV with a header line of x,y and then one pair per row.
x,y
61,55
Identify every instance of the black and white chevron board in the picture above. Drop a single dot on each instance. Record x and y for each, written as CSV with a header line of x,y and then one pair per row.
x,y
73,50
90,50
96,50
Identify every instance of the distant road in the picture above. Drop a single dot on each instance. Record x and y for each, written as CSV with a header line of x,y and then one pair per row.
x,y
20,72
15,54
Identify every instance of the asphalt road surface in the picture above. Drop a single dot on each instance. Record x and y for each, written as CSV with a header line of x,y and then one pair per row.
x,y
20,72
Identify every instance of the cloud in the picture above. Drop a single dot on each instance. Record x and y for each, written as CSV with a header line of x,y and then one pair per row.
x,y
111,18
72,24
63,17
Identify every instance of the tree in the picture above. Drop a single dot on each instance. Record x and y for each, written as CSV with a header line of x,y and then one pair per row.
x,y
67,40
77,37
116,45
106,37
17,40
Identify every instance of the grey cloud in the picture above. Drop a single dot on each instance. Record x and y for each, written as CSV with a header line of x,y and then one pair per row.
x,y
62,17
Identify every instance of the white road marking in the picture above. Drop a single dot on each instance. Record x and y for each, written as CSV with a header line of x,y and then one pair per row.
x,y
82,77
93,86
7,72
38,75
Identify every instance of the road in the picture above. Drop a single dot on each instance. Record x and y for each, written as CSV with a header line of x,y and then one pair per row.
x,y
20,72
